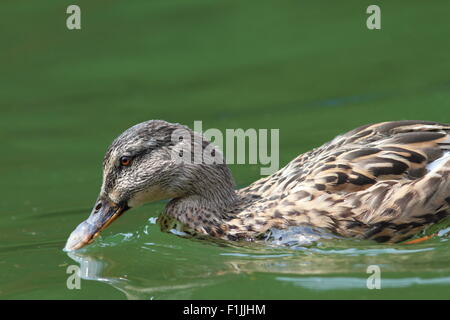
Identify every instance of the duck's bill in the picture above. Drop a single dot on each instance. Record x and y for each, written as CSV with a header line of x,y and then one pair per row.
x,y
103,214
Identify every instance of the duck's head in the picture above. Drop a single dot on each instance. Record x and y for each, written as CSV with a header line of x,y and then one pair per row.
x,y
151,161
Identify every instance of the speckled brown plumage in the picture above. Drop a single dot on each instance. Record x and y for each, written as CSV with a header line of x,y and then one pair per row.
x,y
370,183
384,181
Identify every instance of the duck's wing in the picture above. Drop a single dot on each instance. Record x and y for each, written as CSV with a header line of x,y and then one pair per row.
x,y
376,181
394,210
399,150
386,180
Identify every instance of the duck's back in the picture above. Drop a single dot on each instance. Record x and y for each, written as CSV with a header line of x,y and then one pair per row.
x,y
384,181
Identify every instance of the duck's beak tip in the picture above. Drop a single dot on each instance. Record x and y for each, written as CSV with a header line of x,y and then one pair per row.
x,y
80,237
103,214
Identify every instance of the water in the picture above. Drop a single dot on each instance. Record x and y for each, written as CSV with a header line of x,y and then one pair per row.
x,y
309,68
135,260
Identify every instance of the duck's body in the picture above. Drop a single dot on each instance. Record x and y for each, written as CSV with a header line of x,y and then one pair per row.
x,y
373,182
384,182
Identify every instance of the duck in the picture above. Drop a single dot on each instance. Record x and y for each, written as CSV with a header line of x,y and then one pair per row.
x,y
384,182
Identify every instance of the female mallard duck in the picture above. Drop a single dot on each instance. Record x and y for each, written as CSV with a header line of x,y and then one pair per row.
x,y
384,181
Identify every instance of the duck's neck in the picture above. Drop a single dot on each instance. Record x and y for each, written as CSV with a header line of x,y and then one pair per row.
x,y
209,201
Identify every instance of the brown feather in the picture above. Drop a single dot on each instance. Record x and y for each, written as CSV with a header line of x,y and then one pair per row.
x,y
363,184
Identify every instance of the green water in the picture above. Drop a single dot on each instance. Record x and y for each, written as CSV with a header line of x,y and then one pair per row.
x,y
310,68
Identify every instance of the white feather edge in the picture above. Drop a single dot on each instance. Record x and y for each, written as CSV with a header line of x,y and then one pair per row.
x,y
439,162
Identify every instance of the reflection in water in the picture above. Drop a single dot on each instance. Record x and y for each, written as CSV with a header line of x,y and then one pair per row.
x,y
93,267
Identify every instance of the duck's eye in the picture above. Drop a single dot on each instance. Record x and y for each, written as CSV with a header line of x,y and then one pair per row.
x,y
125,161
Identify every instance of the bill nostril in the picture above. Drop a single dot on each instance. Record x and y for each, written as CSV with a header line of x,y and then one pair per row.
x,y
98,206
